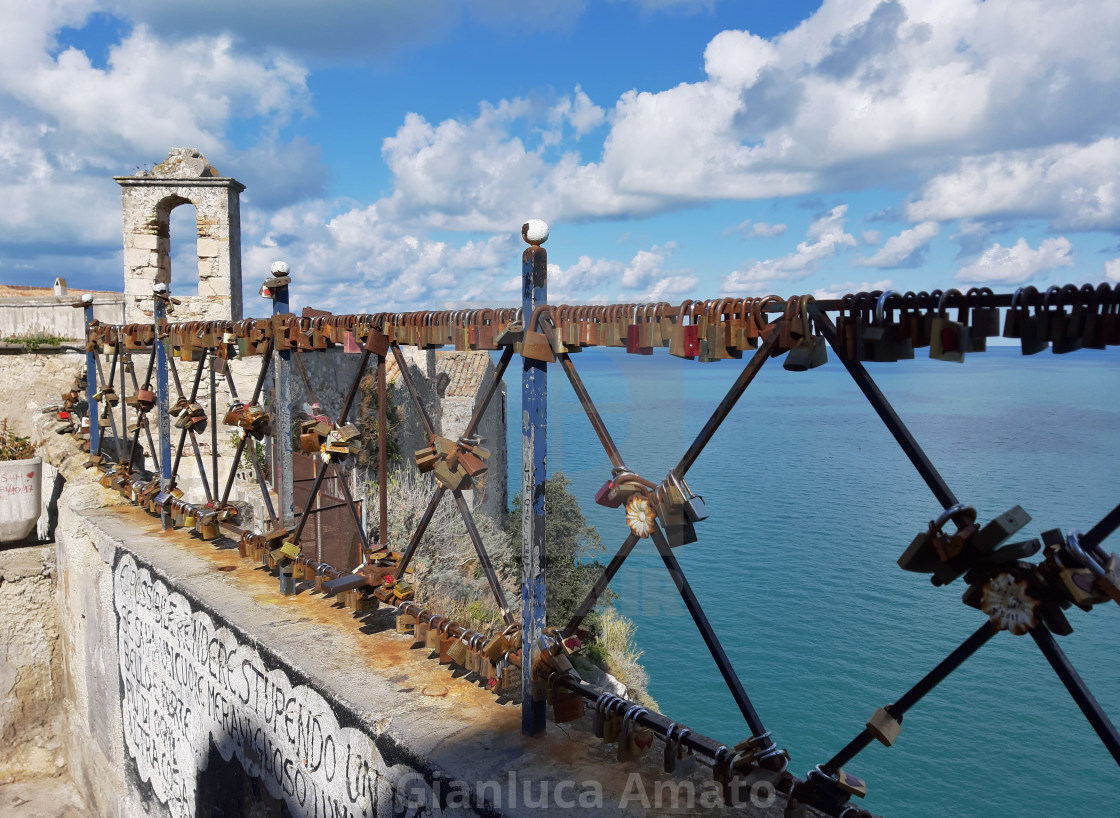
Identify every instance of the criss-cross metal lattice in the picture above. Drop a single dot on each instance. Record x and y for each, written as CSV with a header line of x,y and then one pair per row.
x,y
1018,595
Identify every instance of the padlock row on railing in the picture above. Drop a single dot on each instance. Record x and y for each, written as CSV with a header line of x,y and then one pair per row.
x,y
709,330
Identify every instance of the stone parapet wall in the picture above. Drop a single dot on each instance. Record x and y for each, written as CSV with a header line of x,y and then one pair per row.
x,y
54,316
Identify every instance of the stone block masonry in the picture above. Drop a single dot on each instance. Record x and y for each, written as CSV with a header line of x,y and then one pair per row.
x,y
147,200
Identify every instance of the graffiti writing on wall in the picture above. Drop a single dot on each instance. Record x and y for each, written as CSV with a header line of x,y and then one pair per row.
x,y
187,683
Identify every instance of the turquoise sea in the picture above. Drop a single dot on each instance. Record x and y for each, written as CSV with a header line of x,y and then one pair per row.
x,y
811,503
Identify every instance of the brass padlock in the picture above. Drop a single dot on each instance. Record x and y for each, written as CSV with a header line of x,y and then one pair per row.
x,y
448,476
633,741
456,653
510,679
612,725
420,635
432,639
446,642
497,647
405,622
884,727
536,346
850,784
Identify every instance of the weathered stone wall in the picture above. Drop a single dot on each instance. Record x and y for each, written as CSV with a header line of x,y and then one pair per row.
x,y
48,315
31,708
31,380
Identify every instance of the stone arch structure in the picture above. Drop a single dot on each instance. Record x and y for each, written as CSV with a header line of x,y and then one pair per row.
x,y
147,199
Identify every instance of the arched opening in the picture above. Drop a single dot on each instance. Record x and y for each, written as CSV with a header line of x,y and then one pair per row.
x,y
183,253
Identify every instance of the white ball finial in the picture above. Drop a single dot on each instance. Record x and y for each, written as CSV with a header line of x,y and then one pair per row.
x,y
535,231
159,288
279,268
87,298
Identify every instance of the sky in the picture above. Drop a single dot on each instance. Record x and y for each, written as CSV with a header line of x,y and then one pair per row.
x,y
677,148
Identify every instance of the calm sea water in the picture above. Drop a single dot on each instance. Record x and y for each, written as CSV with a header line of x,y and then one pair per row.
x,y
811,503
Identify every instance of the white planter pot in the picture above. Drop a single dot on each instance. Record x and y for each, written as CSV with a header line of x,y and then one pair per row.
x,y
21,486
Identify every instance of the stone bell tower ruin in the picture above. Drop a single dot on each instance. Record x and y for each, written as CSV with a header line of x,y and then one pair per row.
x,y
148,197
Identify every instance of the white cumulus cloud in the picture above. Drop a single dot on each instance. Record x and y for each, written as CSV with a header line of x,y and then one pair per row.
x,y
1019,263
1074,186
825,237
1112,269
904,250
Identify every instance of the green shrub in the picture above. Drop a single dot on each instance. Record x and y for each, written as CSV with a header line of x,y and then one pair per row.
x,y
12,446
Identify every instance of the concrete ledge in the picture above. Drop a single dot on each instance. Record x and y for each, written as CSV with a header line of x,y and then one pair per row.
x,y
193,662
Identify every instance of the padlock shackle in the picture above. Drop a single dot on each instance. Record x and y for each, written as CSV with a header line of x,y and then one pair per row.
x,y
880,306
952,511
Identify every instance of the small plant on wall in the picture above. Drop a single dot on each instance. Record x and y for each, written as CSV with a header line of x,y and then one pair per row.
x,y
12,446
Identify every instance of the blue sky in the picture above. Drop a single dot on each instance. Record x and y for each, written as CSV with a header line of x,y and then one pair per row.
x,y
678,148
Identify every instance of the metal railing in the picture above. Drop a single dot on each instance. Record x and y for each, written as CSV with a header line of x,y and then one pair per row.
x,y
1018,595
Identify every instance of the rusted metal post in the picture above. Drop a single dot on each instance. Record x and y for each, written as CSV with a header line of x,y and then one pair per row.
x,y
214,424
120,361
382,454
282,435
159,318
534,447
93,409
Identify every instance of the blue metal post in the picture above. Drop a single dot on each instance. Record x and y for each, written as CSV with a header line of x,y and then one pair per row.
x,y
160,301
534,418
93,410
282,434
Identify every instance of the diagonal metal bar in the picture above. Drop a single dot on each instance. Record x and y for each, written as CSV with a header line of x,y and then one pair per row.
x,y
190,429
147,427
730,399
354,513
297,356
1101,531
402,365
108,407
476,418
584,397
273,519
214,422
928,682
418,533
886,413
346,404
709,635
601,584
242,442
305,515
1058,660
483,557
124,405
754,365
